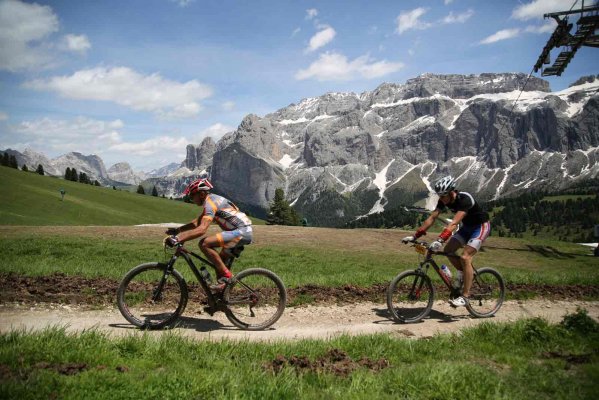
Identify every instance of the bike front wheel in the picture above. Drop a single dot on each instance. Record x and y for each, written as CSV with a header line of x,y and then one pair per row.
x,y
255,299
149,297
486,294
410,297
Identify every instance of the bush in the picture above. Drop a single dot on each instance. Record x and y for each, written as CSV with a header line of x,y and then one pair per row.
x,y
580,322
536,330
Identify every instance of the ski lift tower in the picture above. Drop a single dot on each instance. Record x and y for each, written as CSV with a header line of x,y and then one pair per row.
x,y
587,24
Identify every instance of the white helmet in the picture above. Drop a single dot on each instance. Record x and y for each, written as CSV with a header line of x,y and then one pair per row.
x,y
445,185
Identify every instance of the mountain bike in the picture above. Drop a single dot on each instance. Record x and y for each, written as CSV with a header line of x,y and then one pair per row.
x,y
410,295
154,295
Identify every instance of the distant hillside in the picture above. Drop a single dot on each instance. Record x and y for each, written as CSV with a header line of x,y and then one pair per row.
x,y
30,199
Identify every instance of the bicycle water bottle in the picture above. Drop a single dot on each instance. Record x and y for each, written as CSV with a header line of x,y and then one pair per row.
x,y
206,275
446,271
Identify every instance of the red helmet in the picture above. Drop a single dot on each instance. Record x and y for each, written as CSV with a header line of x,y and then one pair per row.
x,y
198,185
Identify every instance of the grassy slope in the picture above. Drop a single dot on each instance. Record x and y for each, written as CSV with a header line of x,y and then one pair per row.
x,y
300,256
32,199
528,359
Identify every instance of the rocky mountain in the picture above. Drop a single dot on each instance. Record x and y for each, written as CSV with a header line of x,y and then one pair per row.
x,y
122,172
198,162
344,155
200,157
163,171
92,165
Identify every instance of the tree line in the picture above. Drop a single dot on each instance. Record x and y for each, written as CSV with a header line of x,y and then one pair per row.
x,y
71,174
570,220
11,161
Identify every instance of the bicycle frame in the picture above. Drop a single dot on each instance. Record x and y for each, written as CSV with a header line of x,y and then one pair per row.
x,y
421,248
215,303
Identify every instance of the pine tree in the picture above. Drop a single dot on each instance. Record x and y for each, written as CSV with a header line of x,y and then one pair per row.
x,y
281,213
40,169
154,192
24,168
83,178
67,174
140,189
96,183
5,159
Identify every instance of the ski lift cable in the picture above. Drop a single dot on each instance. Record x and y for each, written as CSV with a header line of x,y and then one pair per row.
x,y
524,86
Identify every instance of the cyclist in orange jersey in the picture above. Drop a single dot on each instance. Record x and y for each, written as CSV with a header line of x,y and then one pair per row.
x,y
236,226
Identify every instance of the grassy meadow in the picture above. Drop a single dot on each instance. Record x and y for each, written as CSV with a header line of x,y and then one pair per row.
x,y
528,359
301,256
31,199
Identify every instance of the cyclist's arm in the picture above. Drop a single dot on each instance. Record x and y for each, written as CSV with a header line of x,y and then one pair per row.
x,y
455,222
196,231
192,225
430,220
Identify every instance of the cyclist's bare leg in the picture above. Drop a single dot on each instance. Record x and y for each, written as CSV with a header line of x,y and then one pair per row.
x,y
466,258
451,247
224,255
207,246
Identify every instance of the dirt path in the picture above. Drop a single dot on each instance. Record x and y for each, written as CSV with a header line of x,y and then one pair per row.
x,y
318,322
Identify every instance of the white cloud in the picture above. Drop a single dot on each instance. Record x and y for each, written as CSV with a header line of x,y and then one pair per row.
x,y
321,38
79,134
548,27
215,131
295,32
105,138
182,3
311,13
77,43
228,105
447,2
407,20
537,8
336,67
3,116
501,35
459,18
23,27
126,87
151,146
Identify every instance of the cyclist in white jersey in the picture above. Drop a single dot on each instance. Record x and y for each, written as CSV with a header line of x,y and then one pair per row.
x,y
236,226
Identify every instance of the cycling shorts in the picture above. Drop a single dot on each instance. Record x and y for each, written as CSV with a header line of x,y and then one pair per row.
x,y
473,235
237,237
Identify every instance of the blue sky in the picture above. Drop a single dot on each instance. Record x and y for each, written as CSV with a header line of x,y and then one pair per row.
x,y
137,81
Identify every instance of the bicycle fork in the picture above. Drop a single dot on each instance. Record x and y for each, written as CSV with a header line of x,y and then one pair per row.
x,y
157,292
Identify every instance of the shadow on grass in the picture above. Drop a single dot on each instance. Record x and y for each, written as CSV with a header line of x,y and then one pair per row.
x,y
545,251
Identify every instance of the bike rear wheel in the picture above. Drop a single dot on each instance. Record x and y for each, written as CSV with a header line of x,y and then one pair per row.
x,y
486,294
150,298
410,297
255,299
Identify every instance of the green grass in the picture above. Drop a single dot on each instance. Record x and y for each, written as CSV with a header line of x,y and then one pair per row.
x,y
529,359
32,199
543,262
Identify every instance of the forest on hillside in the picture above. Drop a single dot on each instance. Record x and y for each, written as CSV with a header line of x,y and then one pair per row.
x,y
567,215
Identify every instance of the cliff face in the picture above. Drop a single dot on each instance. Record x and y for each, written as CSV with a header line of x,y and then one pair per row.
x,y
364,151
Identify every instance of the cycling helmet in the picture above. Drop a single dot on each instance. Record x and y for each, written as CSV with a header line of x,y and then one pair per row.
x,y
198,185
445,185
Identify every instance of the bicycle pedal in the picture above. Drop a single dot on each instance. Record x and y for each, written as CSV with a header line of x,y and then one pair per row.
x,y
209,310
